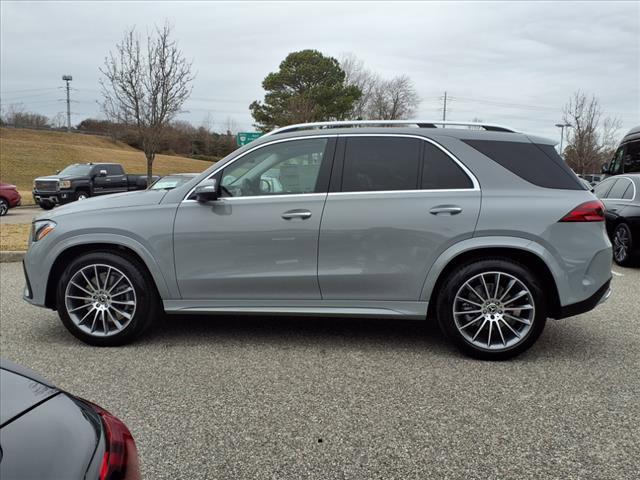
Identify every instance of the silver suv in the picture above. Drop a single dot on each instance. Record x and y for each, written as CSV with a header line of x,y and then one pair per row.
x,y
483,228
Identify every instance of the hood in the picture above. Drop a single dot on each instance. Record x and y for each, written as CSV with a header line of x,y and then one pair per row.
x,y
59,177
118,200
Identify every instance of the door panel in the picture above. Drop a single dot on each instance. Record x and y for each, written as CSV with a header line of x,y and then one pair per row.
x,y
243,248
379,246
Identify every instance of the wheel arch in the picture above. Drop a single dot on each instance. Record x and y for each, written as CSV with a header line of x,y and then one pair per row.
x,y
73,251
449,262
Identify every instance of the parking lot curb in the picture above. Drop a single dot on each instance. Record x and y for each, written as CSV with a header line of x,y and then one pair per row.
x,y
7,256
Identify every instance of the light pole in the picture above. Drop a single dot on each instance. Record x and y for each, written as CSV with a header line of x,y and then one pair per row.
x,y
68,78
562,126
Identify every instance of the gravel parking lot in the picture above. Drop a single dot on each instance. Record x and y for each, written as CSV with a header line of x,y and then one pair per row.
x,y
257,397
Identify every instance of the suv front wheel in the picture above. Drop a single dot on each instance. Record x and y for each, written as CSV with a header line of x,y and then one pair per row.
x,y
106,299
492,309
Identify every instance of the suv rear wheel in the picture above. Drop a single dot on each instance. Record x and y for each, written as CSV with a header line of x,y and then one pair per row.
x,y
106,299
492,309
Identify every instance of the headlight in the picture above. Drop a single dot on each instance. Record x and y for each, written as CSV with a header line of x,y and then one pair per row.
x,y
41,228
64,184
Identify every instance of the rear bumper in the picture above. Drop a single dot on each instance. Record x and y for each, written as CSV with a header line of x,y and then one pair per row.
x,y
601,296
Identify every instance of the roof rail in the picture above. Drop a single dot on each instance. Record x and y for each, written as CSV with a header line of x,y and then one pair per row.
x,y
385,123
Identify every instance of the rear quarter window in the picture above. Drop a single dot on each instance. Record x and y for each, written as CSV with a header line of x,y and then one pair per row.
x,y
536,163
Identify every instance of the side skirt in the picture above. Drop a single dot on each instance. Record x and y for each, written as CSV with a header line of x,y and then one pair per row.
x,y
329,308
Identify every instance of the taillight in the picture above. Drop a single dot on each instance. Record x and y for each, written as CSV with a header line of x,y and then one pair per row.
x,y
591,211
120,459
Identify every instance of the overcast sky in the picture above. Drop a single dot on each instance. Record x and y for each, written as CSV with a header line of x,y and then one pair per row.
x,y
513,63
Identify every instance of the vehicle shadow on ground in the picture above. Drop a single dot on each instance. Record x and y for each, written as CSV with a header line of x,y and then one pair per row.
x,y
174,331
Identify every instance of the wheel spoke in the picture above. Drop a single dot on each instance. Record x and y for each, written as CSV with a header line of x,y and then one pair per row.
x,y
121,313
469,301
128,302
95,318
86,315
87,280
95,270
104,323
471,322
115,284
462,312
80,298
495,295
484,284
509,287
84,305
81,288
526,322
106,279
114,319
520,294
524,307
504,342
510,327
489,336
129,289
475,292
479,329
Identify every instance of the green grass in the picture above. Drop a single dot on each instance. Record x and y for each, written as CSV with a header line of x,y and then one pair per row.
x,y
27,154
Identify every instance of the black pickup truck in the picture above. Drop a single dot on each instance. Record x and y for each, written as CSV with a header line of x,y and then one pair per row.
x,y
83,180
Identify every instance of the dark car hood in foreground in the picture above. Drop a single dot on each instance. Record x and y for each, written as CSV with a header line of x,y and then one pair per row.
x,y
20,390
45,432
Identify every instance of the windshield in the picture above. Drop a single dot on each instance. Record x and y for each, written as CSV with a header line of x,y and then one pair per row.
x,y
76,169
171,181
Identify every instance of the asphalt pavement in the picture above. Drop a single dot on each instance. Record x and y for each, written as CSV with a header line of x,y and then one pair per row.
x,y
300,398
20,215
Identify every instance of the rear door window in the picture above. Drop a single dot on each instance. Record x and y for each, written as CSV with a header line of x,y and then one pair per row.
x,y
380,163
536,163
440,171
602,189
628,193
618,189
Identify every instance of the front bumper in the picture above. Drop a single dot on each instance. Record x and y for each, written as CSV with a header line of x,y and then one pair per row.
x,y
56,198
601,296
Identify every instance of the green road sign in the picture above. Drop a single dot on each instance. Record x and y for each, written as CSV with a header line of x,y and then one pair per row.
x,y
247,137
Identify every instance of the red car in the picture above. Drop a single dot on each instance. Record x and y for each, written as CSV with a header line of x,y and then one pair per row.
x,y
9,197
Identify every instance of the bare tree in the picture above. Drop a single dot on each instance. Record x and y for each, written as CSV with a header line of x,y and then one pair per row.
x,y
590,138
146,86
17,116
394,99
358,75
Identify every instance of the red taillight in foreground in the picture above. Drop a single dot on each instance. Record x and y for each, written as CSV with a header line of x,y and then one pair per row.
x,y
592,211
120,460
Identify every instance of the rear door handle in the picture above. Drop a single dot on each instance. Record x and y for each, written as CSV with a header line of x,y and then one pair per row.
x,y
445,209
298,213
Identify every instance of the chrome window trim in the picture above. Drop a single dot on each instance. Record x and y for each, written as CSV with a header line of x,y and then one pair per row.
x,y
470,175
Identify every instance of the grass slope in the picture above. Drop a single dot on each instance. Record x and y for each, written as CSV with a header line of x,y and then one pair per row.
x,y
27,154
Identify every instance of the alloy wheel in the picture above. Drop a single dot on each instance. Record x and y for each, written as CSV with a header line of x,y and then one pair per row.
x,y
4,208
621,242
494,311
100,300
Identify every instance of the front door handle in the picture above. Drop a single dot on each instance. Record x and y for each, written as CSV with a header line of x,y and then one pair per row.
x,y
445,209
298,213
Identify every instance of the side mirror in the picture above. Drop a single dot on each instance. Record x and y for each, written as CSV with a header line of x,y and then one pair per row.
x,y
605,168
57,172
102,173
207,191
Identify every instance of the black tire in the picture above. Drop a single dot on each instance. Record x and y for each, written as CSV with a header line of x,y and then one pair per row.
x,y
4,207
623,254
82,195
510,269
47,205
147,308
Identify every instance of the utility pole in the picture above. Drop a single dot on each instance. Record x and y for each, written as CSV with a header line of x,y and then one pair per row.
x,y
444,108
68,78
562,126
